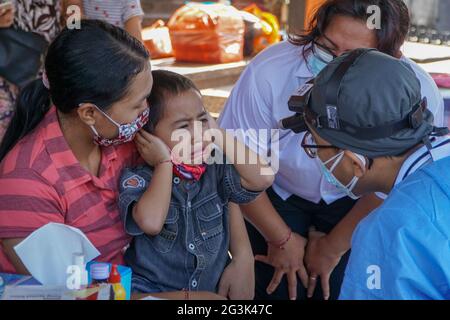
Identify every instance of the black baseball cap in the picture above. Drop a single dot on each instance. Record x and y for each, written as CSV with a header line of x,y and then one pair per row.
x,y
369,103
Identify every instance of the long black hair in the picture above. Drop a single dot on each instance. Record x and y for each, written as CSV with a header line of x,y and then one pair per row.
x,y
395,22
94,64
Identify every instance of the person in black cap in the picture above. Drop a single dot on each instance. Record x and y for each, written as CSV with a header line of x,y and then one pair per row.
x,y
279,220
370,132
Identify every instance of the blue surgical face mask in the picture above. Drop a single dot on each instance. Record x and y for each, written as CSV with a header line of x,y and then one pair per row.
x,y
318,60
331,179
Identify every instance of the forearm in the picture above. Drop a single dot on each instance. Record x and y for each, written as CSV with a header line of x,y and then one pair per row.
x,y
239,242
264,217
134,27
255,172
8,247
341,235
150,212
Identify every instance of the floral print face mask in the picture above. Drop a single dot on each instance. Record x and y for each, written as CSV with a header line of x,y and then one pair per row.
x,y
126,131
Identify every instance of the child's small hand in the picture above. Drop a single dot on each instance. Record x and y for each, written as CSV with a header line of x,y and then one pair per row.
x,y
151,148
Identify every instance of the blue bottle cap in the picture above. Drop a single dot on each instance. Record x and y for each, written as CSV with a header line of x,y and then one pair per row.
x,y
99,271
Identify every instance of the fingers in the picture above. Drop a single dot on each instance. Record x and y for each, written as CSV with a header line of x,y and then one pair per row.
x,y
325,280
276,280
147,136
292,285
263,259
303,275
312,281
144,136
139,138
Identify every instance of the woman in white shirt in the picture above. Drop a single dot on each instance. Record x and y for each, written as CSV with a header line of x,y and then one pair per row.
x,y
302,226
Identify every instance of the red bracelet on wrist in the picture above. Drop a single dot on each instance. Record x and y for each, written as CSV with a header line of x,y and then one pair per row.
x,y
281,244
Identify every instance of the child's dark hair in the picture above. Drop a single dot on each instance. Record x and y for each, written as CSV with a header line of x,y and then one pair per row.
x,y
95,64
165,84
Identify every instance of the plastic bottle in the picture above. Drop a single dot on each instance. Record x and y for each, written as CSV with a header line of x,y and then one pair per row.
x,y
78,260
2,287
115,281
99,273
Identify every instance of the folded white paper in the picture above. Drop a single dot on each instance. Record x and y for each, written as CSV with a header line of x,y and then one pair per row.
x,y
48,252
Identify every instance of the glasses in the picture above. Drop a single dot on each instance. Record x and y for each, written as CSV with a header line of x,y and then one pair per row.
x,y
326,50
309,145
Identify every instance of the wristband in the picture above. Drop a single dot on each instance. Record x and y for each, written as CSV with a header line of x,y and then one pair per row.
x,y
281,244
164,161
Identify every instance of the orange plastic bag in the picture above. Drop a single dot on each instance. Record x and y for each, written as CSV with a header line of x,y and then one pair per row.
x,y
207,33
157,40
270,28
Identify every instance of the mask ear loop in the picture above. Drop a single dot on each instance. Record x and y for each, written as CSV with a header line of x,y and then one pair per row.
x,y
352,184
108,117
337,158
94,130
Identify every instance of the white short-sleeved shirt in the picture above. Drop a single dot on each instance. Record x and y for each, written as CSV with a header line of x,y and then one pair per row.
x,y
116,12
259,100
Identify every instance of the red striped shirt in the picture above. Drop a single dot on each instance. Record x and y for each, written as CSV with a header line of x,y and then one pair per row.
x,y
41,181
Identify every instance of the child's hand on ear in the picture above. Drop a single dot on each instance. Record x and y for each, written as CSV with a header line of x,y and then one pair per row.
x,y
151,148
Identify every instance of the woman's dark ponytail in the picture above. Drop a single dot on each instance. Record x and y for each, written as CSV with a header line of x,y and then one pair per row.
x,y
95,64
32,104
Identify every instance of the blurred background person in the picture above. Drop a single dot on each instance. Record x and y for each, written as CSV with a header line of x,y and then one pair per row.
x,y
127,14
42,19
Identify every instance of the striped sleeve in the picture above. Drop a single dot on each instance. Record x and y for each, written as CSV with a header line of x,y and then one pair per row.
x,y
131,8
27,202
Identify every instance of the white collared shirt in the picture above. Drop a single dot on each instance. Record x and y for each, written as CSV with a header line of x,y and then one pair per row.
x,y
259,100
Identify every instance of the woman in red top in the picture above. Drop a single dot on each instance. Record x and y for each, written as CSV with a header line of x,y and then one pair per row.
x,y
69,138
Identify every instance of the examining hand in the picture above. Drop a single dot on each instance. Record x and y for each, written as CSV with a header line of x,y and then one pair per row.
x,y
238,279
320,261
287,261
151,148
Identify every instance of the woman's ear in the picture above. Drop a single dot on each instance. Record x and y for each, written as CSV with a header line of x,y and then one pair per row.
x,y
359,166
86,113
